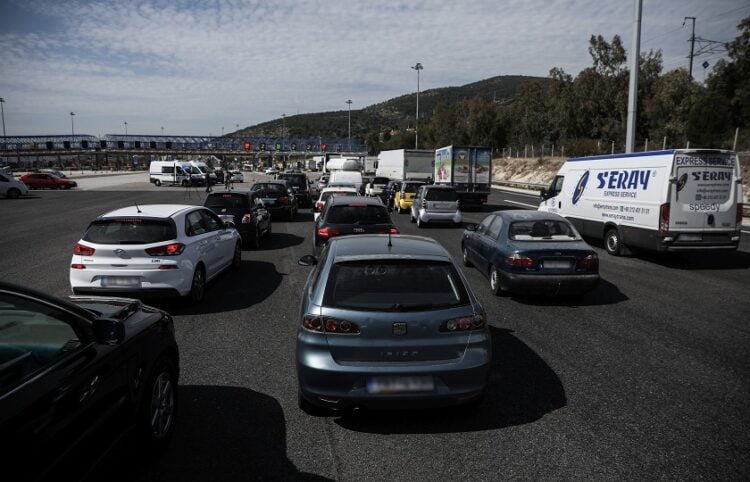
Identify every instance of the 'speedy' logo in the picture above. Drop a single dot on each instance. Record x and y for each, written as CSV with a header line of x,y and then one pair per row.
x,y
580,187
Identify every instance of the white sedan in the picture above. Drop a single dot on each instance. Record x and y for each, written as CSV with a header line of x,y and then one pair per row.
x,y
155,249
236,176
327,193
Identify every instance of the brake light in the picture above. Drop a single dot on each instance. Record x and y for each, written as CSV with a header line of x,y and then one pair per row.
x,y
78,266
168,266
328,232
519,260
324,324
284,199
476,322
664,219
83,250
318,206
590,262
740,207
172,249
247,218
390,231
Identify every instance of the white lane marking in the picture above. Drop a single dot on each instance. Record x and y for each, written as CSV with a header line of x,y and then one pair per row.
x,y
746,232
520,203
520,193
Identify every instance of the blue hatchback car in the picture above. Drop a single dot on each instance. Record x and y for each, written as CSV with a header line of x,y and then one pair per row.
x,y
389,322
530,252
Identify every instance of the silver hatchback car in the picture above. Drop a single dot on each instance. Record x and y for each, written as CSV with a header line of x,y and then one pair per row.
x,y
436,203
389,322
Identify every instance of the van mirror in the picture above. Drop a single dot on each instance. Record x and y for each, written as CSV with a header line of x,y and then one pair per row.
x,y
543,193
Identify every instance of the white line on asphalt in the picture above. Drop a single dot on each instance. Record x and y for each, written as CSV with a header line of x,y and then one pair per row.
x,y
519,203
746,232
520,193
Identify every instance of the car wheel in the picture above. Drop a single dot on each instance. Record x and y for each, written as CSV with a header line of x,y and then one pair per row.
x,y
185,183
411,218
198,286
157,183
157,414
237,257
465,256
495,282
612,242
420,223
13,193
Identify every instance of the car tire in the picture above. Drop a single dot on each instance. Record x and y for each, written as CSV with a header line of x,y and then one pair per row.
x,y
198,285
309,408
613,242
157,183
465,256
185,183
420,223
237,256
157,414
495,282
13,193
411,218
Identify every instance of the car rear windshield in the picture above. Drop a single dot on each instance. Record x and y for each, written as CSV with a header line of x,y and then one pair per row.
x,y
380,180
358,214
441,195
394,285
130,231
226,200
298,181
411,187
270,188
542,230
326,195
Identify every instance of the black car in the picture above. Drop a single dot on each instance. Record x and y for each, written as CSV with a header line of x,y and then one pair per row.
x,y
277,197
351,215
246,210
300,186
75,374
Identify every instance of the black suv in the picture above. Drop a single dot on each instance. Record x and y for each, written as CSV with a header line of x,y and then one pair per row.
x,y
300,186
351,215
246,210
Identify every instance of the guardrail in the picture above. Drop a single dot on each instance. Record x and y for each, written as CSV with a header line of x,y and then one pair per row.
x,y
521,185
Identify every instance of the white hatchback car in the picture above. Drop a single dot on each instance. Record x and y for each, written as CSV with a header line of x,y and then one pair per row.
x,y
11,187
327,193
154,249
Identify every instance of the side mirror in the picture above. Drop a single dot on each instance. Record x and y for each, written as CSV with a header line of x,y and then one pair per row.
x,y
307,260
543,193
229,224
471,227
108,331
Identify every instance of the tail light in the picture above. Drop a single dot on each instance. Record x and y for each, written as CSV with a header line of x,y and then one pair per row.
x,y
172,249
519,260
83,250
664,219
78,266
318,206
284,199
466,323
590,262
328,232
390,231
740,207
324,324
168,266
247,218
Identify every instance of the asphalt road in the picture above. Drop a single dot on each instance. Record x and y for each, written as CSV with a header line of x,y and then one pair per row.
x,y
648,377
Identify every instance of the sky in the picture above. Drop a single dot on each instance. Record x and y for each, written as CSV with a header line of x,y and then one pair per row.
x,y
200,67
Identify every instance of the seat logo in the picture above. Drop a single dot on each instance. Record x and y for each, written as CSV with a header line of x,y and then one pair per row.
x,y
399,328
580,187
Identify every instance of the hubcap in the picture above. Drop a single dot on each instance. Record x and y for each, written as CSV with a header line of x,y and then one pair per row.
x,y
198,284
162,405
612,242
493,279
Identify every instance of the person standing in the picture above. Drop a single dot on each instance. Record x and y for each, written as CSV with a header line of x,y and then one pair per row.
x,y
208,181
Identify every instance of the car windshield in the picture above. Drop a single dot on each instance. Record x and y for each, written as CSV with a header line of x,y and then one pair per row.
x,y
226,200
358,214
270,188
542,230
298,181
130,231
394,285
441,195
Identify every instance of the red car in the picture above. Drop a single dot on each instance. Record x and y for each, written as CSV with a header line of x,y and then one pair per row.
x,y
40,180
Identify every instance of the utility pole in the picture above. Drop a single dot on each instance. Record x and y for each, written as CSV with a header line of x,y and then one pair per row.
x,y
417,67
72,126
349,103
692,44
635,56
2,111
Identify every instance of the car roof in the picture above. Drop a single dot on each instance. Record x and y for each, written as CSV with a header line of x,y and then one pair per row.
x,y
376,246
150,210
440,186
527,215
356,199
338,189
241,192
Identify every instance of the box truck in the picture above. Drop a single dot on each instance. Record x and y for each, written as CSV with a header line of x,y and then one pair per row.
x,y
402,164
468,169
671,200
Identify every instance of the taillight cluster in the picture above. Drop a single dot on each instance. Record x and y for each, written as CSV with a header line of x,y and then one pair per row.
x,y
465,323
284,199
664,219
325,324
391,230
519,261
172,249
82,250
247,218
327,232
590,262
319,206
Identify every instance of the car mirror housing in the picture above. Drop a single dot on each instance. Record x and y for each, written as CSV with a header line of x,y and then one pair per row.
x,y
543,193
307,260
471,227
229,224
108,331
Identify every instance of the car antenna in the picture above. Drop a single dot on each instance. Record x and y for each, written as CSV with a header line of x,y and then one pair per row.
x,y
137,208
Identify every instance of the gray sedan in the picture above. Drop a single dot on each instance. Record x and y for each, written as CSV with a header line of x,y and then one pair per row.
x,y
389,322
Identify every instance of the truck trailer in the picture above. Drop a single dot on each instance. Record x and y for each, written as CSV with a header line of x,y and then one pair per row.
x,y
468,169
402,164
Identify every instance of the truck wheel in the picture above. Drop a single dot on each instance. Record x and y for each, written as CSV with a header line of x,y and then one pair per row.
x,y
157,183
612,242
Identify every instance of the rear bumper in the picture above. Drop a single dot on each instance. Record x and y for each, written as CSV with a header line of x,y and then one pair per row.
x,y
674,242
548,283
454,217
152,282
325,382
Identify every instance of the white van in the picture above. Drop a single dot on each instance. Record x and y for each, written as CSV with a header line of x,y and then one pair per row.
x,y
346,177
181,173
672,200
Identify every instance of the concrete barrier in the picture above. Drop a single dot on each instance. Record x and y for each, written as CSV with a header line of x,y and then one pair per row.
x,y
521,185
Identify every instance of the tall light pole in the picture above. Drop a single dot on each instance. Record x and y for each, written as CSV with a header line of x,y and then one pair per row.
x,y
126,127
2,111
417,67
635,55
162,130
72,125
222,131
349,103
692,44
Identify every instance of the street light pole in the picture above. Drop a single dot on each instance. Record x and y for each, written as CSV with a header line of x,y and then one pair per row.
x,y
349,103
417,67
2,111
162,130
72,125
126,127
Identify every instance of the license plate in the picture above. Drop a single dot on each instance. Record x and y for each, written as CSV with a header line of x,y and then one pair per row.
x,y
400,384
121,281
553,264
691,237
269,201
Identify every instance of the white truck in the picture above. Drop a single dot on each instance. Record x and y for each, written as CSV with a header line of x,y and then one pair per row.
x,y
343,164
671,200
402,164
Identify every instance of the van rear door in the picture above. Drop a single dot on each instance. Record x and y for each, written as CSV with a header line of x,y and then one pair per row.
x,y
704,196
